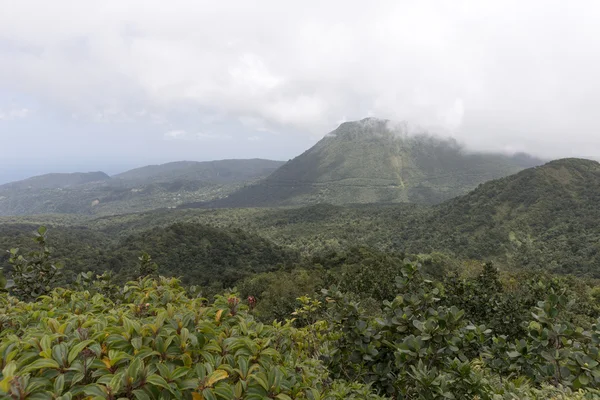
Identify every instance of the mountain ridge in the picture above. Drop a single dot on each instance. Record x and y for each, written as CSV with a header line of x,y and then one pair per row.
x,y
221,171
530,219
141,189
367,162
56,180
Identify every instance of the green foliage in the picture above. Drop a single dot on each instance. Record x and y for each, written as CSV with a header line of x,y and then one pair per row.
x,y
554,350
156,344
276,293
541,219
200,254
485,300
422,347
203,255
34,274
417,338
146,266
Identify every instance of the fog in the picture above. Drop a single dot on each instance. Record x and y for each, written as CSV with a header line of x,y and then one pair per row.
x,y
112,85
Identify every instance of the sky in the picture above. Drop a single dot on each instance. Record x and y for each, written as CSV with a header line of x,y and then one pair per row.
x,y
114,84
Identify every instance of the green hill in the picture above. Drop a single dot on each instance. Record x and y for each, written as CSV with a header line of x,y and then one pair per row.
x,y
545,217
220,171
56,181
540,218
198,253
368,162
141,189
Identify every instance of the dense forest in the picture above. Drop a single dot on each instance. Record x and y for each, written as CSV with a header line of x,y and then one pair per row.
x,y
358,324
492,295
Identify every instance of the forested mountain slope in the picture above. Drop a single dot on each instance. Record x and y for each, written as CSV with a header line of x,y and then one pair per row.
x,y
220,171
141,189
56,181
545,217
371,161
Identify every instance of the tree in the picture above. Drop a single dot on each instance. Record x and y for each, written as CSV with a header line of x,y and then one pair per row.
x,y
34,274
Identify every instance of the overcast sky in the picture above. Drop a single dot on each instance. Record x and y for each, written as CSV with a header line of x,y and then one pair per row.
x,y
108,85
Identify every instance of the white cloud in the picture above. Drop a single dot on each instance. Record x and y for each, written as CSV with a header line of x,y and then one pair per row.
x,y
211,136
175,134
255,138
496,73
184,135
15,113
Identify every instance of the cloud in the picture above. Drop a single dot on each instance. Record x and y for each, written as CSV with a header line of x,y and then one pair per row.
x,y
255,138
175,134
184,135
15,113
495,74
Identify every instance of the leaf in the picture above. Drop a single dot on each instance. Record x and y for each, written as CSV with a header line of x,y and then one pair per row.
x,y
583,379
216,376
59,384
134,368
95,391
159,381
141,395
514,354
197,396
218,315
208,394
41,363
77,349
282,396
7,373
261,382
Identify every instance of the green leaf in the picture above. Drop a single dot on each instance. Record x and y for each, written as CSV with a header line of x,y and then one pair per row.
x,y
41,363
159,381
59,384
96,391
583,379
208,394
134,368
141,395
77,349
514,354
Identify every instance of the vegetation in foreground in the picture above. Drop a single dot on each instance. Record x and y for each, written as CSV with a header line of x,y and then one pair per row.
x,y
404,329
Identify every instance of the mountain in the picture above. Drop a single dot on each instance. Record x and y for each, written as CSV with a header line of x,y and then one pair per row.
x,y
220,171
141,189
543,218
198,253
371,161
56,181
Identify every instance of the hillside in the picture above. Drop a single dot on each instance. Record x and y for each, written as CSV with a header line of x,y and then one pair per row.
x,y
369,161
146,188
322,301
56,181
220,171
540,218
198,253
543,218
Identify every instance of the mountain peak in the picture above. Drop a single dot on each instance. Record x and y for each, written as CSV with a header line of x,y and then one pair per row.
x,y
572,163
361,128
375,161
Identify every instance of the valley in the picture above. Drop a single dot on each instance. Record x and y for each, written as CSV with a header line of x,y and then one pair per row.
x,y
367,235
